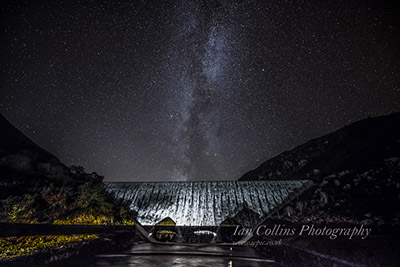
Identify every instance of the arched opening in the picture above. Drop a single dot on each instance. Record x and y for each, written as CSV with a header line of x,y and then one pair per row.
x,y
165,230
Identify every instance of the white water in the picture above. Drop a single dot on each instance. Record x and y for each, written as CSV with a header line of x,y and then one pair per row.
x,y
206,203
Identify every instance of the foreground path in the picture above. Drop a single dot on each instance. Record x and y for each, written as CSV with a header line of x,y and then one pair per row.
x,y
178,255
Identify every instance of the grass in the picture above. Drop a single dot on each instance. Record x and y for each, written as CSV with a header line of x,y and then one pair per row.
x,y
12,247
89,219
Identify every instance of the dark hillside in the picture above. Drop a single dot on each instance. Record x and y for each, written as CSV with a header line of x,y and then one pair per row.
x,y
356,171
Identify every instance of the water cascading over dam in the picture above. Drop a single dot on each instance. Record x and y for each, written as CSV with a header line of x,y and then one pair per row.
x,y
206,203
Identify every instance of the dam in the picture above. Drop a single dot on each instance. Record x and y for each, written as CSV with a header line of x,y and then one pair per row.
x,y
206,203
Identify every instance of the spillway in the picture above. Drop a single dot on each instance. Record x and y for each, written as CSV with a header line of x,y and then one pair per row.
x,y
206,203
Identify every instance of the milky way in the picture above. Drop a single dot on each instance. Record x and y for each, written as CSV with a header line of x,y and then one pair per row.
x,y
201,48
192,90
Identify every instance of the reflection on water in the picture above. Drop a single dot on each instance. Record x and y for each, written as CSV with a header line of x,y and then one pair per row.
x,y
177,255
178,261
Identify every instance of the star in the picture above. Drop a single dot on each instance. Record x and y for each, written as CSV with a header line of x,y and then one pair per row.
x,y
192,90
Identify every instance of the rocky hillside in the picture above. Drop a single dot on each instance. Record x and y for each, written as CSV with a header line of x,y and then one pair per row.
x,y
36,187
19,155
356,171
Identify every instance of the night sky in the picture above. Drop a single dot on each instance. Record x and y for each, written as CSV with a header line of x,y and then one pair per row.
x,y
192,90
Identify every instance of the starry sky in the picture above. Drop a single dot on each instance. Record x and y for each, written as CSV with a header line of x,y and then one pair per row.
x,y
192,90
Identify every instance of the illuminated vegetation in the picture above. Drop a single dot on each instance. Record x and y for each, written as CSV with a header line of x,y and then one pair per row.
x,y
69,196
12,247
21,209
74,197
89,219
